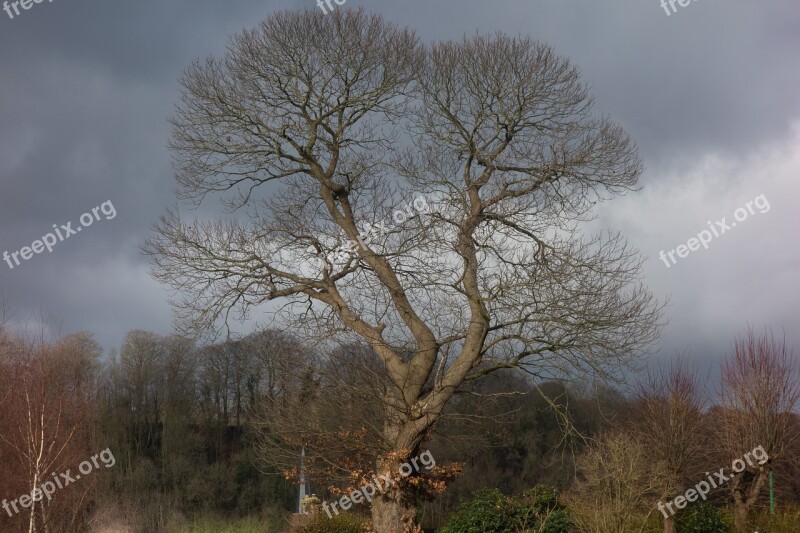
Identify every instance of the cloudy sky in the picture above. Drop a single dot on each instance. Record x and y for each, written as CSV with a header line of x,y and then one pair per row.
x,y
711,93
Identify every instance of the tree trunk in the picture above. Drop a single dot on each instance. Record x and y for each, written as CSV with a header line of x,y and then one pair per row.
x,y
390,515
740,514
678,489
669,525
745,497
392,512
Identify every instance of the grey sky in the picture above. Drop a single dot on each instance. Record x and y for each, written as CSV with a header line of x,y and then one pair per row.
x,y
711,94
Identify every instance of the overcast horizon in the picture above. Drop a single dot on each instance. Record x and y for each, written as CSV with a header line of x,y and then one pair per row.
x,y
709,93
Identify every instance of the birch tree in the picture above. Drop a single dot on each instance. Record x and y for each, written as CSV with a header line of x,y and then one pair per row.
x,y
49,404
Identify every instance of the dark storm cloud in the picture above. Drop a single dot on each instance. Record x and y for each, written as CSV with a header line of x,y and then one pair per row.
x,y
86,90
87,87
714,75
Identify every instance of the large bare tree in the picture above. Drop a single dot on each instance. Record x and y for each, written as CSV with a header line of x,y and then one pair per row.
x,y
309,129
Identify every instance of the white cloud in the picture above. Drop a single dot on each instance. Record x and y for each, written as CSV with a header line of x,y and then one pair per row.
x,y
749,273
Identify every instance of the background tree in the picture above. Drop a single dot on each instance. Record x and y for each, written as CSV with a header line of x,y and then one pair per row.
x,y
616,485
49,402
336,113
668,420
760,390
178,418
508,435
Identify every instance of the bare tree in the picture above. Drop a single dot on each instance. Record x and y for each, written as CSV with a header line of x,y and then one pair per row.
x,y
669,423
278,361
324,406
615,487
141,359
334,115
49,403
760,389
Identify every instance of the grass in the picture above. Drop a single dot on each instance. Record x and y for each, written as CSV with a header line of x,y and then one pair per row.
x,y
242,525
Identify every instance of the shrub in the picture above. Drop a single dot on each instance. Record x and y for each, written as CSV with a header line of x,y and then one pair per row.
x,y
702,518
785,521
536,510
487,511
341,523
616,486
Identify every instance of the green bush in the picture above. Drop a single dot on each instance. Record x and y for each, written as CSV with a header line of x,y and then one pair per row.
x,y
489,511
702,518
341,523
538,509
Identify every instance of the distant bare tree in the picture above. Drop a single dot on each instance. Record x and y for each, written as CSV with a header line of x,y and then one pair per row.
x,y
760,390
669,423
140,360
325,407
334,115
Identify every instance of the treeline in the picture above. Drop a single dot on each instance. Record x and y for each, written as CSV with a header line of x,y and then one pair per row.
x,y
216,431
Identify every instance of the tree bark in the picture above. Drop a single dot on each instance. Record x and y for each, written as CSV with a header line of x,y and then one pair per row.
x,y
395,511
391,515
669,525
740,514
745,498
